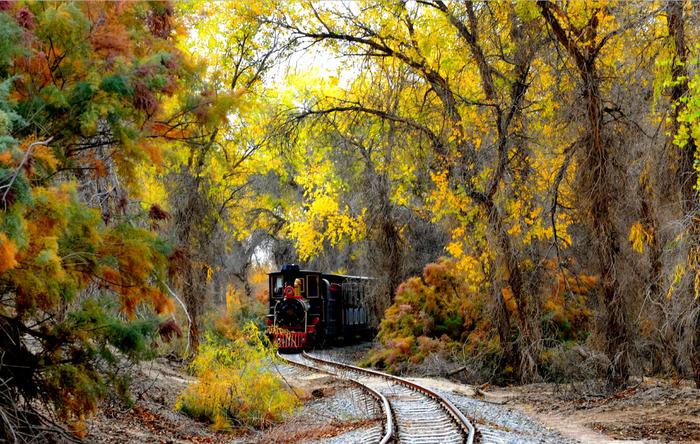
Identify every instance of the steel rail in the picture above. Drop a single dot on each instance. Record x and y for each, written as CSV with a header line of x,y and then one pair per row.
x,y
453,411
388,412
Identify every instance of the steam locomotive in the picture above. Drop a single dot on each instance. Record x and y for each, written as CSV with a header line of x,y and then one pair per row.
x,y
311,309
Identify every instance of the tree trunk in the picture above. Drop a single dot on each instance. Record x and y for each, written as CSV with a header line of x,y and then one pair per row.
x,y
524,354
687,175
597,162
596,185
194,290
388,259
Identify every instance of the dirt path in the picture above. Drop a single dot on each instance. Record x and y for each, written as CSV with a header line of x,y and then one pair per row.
x,y
654,411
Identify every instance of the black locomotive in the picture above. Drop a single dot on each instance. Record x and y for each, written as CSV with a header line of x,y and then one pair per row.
x,y
309,308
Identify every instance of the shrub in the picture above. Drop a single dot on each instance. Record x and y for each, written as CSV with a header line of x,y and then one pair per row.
x,y
446,314
435,314
237,384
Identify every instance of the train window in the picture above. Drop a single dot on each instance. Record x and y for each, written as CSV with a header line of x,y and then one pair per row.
x,y
346,293
351,297
278,285
312,286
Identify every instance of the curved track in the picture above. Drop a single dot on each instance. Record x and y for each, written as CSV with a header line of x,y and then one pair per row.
x,y
414,414
387,423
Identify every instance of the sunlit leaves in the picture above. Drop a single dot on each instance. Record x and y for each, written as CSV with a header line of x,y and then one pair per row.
x,y
322,219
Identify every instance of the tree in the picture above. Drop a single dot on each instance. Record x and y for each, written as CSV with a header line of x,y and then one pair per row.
x,y
584,34
215,134
81,85
406,33
682,134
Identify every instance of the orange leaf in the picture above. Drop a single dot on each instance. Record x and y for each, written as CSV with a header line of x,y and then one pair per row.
x,y
6,158
8,250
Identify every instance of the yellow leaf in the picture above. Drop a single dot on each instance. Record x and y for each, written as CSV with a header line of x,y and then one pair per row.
x,y
639,237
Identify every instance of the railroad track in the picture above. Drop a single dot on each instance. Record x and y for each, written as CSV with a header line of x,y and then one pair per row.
x,y
413,413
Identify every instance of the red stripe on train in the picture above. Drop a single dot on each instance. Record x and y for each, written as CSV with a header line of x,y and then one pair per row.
x,y
289,339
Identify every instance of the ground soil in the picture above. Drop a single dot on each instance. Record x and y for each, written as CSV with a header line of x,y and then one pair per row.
x,y
153,418
652,410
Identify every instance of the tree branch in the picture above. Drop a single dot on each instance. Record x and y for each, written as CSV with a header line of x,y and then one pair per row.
x,y
27,154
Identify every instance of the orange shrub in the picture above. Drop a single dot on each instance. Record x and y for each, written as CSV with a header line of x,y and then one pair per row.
x,y
447,310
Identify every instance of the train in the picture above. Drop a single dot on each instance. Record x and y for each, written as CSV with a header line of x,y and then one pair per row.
x,y
310,309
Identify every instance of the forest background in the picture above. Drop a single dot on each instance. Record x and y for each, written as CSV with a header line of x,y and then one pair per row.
x,y
520,177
